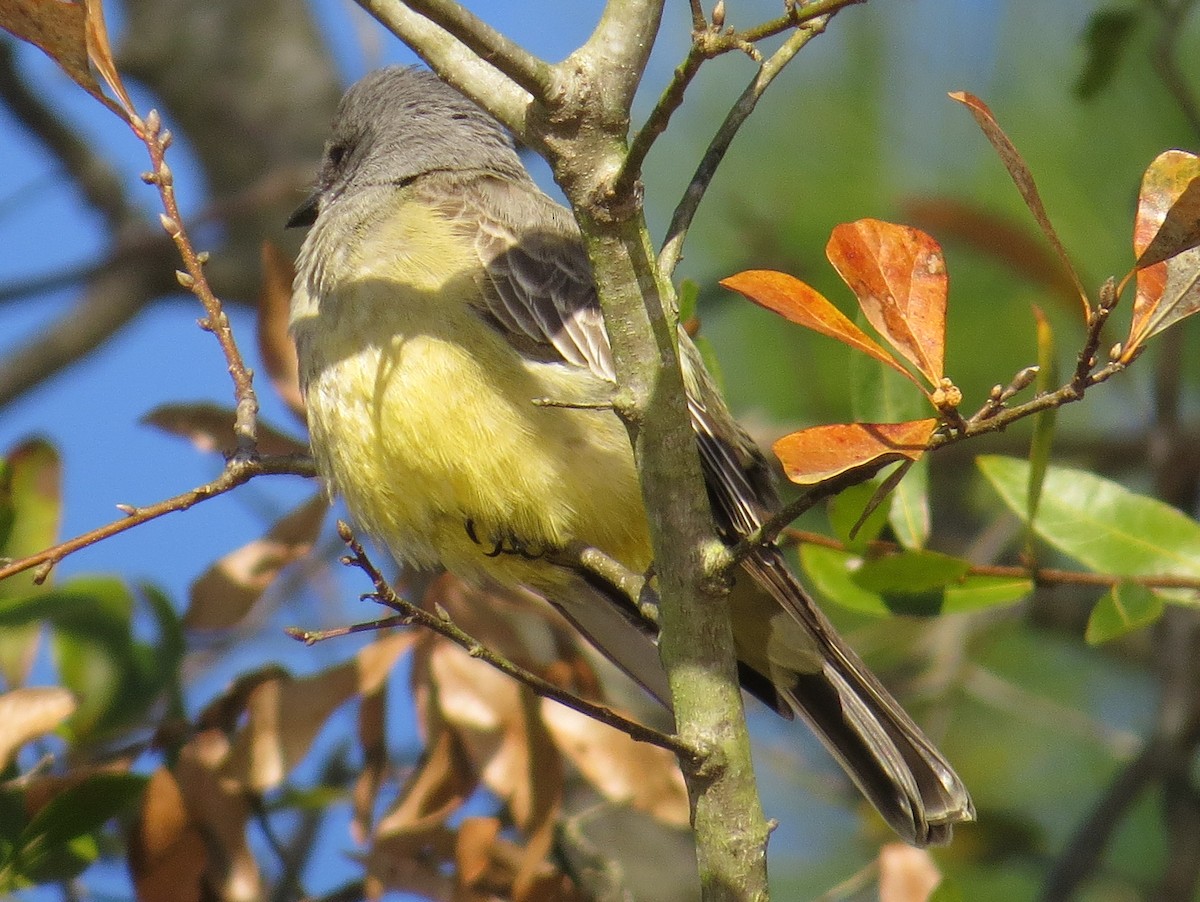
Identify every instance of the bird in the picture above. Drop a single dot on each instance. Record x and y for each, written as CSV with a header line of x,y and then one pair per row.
x,y
439,294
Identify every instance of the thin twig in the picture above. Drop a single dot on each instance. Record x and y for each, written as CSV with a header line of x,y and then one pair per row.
x,y
672,248
237,472
157,140
443,626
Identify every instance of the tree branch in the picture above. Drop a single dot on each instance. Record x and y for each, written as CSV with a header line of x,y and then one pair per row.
x,y
484,82
410,613
238,471
531,73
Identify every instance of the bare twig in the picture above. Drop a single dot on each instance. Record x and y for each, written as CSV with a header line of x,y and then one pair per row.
x,y
681,221
157,140
410,613
237,472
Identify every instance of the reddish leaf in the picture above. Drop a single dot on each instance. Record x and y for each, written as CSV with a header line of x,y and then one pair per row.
x,y
274,342
823,452
1167,288
1023,179
899,277
100,53
804,305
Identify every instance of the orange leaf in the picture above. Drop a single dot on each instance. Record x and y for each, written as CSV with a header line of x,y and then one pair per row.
x,y
823,452
899,277
100,53
804,305
167,853
1166,285
1023,179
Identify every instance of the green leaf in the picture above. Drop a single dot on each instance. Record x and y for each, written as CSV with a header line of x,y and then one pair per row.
x,y
880,395
1100,523
910,572
947,891
845,510
30,510
50,847
1124,608
1108,32
831,573
977,592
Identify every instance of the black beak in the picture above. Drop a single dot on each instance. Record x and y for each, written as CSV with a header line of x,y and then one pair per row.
x,y
306,213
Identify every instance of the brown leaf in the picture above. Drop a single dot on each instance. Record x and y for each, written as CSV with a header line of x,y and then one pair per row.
x,y
474,846
226,592
274,341
167,854
372,739
899,277
804,305
29,713
220,809
437,788
1023,179
823,452
209,427
285,714
624,771
906,874
1167,289
70,33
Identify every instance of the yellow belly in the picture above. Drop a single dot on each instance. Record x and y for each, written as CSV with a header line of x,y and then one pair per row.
x,y
423,419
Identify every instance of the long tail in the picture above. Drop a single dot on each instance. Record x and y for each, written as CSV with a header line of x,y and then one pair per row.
x,y
793,659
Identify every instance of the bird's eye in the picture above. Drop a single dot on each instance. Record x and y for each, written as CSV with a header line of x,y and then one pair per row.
x,y
337,153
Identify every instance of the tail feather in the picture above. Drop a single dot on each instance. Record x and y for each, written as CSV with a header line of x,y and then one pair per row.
x,y
881,748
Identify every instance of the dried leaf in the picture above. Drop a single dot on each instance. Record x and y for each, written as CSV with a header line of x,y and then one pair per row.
x,y
372,740
209,427
274,341
285,714
437,788
220,809
473,848
906,874
28,713
1023,179
899,277
804,305
823,452
1166,289
622,770
167,853
225,593
70,33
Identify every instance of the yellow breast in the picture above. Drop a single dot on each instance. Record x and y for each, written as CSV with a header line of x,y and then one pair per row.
x,y
422,417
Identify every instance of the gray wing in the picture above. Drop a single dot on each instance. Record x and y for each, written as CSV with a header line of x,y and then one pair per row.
x,y
539,292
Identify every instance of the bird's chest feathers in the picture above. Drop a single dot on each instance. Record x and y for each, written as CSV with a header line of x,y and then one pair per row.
x,y
424,419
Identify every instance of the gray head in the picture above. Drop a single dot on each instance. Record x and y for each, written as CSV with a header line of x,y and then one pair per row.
x,y
401,122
